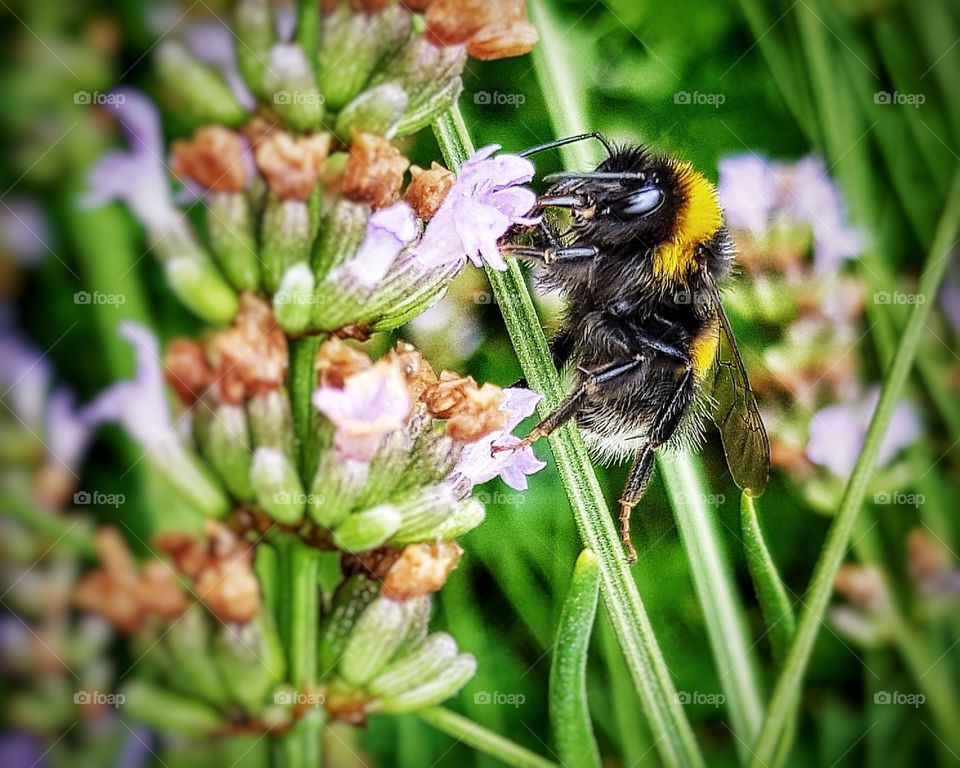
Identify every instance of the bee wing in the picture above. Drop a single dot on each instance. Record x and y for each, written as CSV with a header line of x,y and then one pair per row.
x,y
737,416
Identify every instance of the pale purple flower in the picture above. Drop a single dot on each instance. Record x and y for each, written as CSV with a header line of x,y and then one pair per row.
x,y
483,203
478,463
213,44
67,433
372,404
388,231
837,433
19,749
24,231
139,405
136,176
756,194
25,378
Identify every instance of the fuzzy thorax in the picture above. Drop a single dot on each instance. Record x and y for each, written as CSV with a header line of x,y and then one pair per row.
x,y
698,220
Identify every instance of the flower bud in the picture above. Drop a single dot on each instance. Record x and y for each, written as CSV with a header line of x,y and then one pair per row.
x,y
256,34
285,238
365,530
374,640
466,516
431,78
289,77
340,236
203,91
423,513
166,711
198,284
277,486
225,442
447,683
192,669
377,110
231,227
335,489
353,45
271,421
250,660
293,301
190,477
349,602
416,667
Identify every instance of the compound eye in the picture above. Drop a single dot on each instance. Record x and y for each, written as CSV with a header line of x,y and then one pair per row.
x,y
644,201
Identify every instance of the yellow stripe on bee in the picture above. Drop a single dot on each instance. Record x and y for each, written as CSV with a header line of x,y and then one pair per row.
x,y
698,220
703,350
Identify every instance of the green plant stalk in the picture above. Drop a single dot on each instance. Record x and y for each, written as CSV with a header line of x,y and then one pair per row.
x,y
682,474
68,535
649,670
483,740
790,682
774,603
303,380
569,709
307,31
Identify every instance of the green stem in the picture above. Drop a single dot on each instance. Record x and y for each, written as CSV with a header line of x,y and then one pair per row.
x,y
69,533
649,670
308,28
569,710
302,382
482,739
790,682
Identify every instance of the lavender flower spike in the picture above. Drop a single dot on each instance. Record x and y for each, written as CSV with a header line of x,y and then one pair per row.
x,y
140,407
478,464
483,203
388,231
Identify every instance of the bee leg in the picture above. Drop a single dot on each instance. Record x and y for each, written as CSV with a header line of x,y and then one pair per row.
x,y
551,255
637,483
571,404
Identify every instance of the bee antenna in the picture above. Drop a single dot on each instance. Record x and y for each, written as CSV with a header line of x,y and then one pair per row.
x,y
570,140
596,175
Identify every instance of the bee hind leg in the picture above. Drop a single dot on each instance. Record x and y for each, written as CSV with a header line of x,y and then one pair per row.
x,y
637,483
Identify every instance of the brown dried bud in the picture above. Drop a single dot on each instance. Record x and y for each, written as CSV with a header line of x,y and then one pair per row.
x,y
292,166
189,555
501,41
337,361
160,592
421,570
492,29
927,559
863,586
417,6
213,159
417,371
472,411
250,357
370,6
186,370
428,189
256,129
374,171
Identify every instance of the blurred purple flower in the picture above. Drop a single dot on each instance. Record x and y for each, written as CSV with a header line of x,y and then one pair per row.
x,y
756,194
25,378
24,231
950,296
837,433
21,750
478,464
67,432
388,231
483,203
136,176
372,404
139,405
213,43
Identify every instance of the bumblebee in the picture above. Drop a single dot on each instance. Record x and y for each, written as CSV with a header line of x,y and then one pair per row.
x,y
639,253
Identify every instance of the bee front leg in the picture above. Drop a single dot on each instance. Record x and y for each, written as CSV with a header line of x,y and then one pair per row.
x,y
590,384
551,255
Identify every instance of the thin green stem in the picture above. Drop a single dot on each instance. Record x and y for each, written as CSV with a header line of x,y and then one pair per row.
x,y
484,740
668,722
307,32
791,679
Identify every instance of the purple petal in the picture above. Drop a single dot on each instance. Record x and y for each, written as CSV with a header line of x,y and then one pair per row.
x,y
388,231
746,192
213,44
24,231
